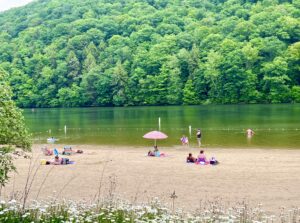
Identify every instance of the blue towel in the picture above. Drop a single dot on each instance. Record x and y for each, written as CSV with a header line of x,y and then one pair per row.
x,y
157,154
55,152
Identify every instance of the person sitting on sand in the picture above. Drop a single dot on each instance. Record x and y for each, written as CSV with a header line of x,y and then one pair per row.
x,y
155,152
191,159
151,153
202,158
184,140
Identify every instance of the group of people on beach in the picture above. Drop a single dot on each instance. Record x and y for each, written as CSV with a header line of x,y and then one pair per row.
x,y
57,160
201,159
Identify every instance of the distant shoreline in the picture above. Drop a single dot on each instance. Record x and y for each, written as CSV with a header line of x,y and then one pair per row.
x,y
165,105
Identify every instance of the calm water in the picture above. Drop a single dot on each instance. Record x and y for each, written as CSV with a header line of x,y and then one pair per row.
x,y
222,125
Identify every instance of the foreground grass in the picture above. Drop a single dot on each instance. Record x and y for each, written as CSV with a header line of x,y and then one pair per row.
x,y
70,211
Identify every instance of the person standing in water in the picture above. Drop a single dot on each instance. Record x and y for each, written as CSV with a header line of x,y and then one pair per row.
x,y
249,133
199,135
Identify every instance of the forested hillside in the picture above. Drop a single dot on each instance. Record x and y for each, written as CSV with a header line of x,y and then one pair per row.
x,y
152,52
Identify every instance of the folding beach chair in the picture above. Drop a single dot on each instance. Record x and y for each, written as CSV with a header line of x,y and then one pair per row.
x,y
68,150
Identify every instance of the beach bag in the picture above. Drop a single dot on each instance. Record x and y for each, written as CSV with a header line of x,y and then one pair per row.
x,y
43,162
213,161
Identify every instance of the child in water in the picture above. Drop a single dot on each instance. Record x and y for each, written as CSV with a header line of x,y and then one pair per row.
x,y
184,140
249,133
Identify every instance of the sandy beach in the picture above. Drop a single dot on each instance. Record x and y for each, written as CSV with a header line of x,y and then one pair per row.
x,y
266,176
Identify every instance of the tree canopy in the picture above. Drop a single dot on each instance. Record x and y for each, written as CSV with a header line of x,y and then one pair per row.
x,y
152,52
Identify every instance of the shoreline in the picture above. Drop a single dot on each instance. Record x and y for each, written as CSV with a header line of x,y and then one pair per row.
x,y
167,147
255,175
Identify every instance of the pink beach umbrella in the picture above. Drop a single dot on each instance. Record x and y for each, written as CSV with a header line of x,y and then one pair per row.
x,y
155,135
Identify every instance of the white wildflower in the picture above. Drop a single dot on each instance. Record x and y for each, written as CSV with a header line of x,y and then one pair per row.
x,y
43,210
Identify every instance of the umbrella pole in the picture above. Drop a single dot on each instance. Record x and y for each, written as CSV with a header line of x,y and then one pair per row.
x,y
154,142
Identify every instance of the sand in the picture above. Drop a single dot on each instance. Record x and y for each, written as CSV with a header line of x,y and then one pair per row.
x,y
267,176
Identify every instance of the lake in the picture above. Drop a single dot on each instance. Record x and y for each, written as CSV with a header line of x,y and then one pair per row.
x,y
275,126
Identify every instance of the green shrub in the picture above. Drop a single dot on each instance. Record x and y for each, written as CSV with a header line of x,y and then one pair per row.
x,y
296,94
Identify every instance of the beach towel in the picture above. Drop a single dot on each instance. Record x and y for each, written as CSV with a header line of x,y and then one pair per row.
x,y
160,155
56,153
201,163
204,163
45,162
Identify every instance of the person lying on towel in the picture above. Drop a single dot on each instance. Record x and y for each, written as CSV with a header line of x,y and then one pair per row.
x,y
58,161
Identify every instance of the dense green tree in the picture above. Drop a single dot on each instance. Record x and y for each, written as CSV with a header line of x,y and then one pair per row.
x,y
276,81
119,82
171,70
295,92
73,68
293,58
110,53
189,94
13,132
89,63
212,74
69,97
